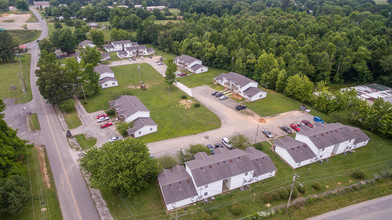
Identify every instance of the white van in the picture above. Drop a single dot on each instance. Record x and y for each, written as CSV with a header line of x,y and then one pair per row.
x,y
226,142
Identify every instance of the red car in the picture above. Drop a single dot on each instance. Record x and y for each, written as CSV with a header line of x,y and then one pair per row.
x,y
107,124
295,127
306,122
101,115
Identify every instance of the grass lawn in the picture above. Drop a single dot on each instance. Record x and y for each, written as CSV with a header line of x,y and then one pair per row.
x,y
381,2
84,142
51,27
172,118
72,119
33,122
24,36
32,18
161,53
373,158
9,77
32,208
167,21
206,78
9,21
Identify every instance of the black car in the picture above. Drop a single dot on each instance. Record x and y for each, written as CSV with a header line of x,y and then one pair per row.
x,y
268,134
240,107
214,93
286,129
219,145
219,94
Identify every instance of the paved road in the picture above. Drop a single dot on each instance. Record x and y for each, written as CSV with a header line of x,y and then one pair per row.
x,y
377,209
74,197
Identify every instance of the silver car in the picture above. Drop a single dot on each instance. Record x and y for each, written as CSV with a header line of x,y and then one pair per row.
x,y
102,119
223,97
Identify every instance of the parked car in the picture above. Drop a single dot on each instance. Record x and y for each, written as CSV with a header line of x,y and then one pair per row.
x,y
142,58
223,97
158,61
318,119
181,74
113,139
226,142
286,129
214,93
218,145
150,57
295,127
102,119
306,122
240,107
101,115
268,134
130,59
211,148
219,94
107,124
134,58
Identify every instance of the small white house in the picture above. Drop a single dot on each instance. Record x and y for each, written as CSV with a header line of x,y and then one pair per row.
x,y
104,71
295,153
105,56
241,85
190,63
142,126
109,48
108,82
86,43
139,51
123,54
130,107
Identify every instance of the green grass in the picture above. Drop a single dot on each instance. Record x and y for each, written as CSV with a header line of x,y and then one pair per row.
x,y
167,21
32,208
72,119
33,122
373,158
32,18
381,2
24,36
162,53
9,76
51,27
206,78
84,142
9,21
172,118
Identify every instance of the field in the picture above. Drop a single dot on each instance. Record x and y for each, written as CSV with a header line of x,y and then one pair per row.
x,y
84,142
41,195
162,53
173,119
24,36
372,158
34,123
72,119
9,77
381,2
206,78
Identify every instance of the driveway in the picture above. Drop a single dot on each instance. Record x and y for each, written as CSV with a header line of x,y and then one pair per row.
x,y
232,122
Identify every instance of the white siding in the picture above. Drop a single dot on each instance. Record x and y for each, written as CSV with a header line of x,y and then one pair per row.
x,y
180,203
258,96
264,176
109,84
139,114
212,189
286,156
117,47
240,180
148,129
247,86
361,144
201,70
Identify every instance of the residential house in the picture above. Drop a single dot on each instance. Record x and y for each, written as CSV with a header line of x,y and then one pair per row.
x,y
122,44
139,51
123,54
241,85
142,126
213,174
152,8
105,56
43,4
86,43
295,153
106,76
109,48
93,25
190,63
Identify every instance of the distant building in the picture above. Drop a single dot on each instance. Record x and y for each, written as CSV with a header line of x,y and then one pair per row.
x,y
105,56
370,92
41,3
152,8
86,43
93,25
190,63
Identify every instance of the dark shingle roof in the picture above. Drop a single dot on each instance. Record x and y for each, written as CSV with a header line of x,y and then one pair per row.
x,y
262,163
136,48
325,135
140,123
298,150
127,105
108,46
101,69
186,59
176,185
361,136
122,42
224,164
235,78
122,53
196,67
104,55
150,50
106,79
85,42
250,92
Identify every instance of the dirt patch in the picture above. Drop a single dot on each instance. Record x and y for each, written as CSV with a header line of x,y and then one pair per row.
x,y
261,120
42,165
186,103
235,96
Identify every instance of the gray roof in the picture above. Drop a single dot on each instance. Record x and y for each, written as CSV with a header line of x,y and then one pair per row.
x,y
122,42
196,67
127,105
150,50
122,53
176,185
324,135
235,78
136,48
298,150
186,59
361,136
108,46
140,123
101,69
106,79
223,164
85,42
262,163
104,55
252,91
92,24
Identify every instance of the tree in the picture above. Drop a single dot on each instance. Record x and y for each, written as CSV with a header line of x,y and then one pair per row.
x,y
188,154
97,37
299,87
64,40
14,192
123,166
119,34
57,25
22,5
167,162
240,141
4,5
7,47
281,81
46,44
90,80
170,77
90,55
80,35
54,3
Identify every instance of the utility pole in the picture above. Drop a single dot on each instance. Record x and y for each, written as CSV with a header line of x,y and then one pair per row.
x,y
257,132
21,74
138,67
291,192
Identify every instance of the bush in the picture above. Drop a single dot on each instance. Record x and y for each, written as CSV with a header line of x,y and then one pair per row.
x,y
122,128
284,193
275,195
359,174
184,97
167,162
317,186
197,105
68,106
69,22
267,197
236,208
110,112
301,189
215,215
206,216
57,25
295,193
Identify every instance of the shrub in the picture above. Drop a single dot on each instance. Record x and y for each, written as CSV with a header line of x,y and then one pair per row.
x,y
215,215
301,189
122,128
184,97
167,162
267,197
68,106
197,105
317,186
295,193
284,193
275,195
236,208
359,174
57,25
207,216
110,112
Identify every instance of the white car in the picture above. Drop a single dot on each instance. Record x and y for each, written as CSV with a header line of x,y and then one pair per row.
x,y
102,119
113,139
223,97
226,142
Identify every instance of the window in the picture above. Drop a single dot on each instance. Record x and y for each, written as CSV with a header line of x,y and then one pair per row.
x,y
105,84
113,83
246,174
140,132
206,194
206,186
150,129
